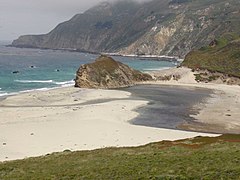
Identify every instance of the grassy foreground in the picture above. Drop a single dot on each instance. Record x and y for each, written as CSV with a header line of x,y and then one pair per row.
x,y
199,158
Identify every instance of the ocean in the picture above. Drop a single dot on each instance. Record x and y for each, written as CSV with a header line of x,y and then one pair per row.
x,y
23,70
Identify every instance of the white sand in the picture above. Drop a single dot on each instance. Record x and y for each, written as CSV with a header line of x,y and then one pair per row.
x,y
221,111
38,123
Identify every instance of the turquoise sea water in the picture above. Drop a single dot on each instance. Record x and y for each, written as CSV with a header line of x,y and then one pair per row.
x,y
44,69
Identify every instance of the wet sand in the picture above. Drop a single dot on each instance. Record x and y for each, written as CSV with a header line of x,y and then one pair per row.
x,y
220,113
168,106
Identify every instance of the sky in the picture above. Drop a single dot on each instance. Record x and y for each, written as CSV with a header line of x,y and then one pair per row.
x,y
20,17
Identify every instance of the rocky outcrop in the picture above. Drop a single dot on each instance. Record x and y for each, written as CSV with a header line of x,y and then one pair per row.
x,y
107,73
157,27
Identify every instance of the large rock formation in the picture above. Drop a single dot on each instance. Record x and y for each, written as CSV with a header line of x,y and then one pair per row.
x,y
107,73
159,27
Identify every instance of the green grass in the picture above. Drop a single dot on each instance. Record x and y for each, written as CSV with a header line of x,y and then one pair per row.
x,y
223,57
199,158
204,77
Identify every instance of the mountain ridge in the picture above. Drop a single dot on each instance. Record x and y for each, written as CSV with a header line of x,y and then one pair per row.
x,y
157,27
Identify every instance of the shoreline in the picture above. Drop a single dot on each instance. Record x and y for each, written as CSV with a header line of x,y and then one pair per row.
x,y
152,57
42,122
8,94
38,123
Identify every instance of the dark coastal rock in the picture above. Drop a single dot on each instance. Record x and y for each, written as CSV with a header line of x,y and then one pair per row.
x,y
16,72
107,73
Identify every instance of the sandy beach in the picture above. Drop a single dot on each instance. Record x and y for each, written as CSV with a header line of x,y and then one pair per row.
x,y
221,112
41,122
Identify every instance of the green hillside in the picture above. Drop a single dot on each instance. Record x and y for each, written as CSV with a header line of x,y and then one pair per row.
x,y
222,55
198,158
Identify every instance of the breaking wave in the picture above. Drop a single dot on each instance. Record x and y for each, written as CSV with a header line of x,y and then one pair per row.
x,y
61,83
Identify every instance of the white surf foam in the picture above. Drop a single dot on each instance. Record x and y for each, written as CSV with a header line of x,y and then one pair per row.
x,y
65,83
39,89
62,83
34,81
6,94
58,85
156,69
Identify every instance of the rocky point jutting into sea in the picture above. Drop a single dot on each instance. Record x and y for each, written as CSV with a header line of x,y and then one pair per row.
x,y
105,72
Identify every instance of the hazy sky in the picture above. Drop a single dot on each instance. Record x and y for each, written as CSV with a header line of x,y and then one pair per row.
x,y
19,17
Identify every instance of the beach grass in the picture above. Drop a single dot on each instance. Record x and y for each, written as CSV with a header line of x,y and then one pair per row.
x,y
198,158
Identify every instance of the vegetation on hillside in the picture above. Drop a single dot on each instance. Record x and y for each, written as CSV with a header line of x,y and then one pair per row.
x,y
222,55
198,158
155,27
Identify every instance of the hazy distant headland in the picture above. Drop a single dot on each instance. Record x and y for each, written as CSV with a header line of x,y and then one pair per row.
x,y
161,27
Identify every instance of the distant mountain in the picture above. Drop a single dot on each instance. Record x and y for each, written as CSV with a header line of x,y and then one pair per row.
x,y
159,27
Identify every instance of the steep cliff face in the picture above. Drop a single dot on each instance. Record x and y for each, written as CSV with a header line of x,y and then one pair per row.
x,y
101,28
107,73
192,24
159,27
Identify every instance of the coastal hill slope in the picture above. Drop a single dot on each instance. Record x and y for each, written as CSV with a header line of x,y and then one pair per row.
x,y
197,158
105,72
220,56
157,27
